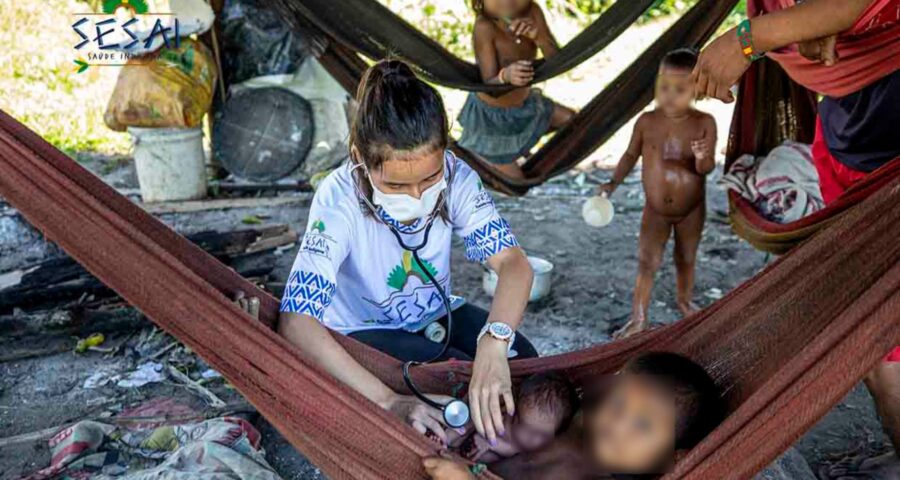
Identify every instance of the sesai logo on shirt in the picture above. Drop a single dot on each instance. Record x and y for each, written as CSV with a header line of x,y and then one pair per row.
x,y
316,241
411,296
482,198
136,6
401,273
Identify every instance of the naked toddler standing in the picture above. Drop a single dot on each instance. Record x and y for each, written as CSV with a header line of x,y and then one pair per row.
x,y
676,144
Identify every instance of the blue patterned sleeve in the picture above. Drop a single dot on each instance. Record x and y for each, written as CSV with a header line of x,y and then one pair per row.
x,y
489,239
475,217
307,293
312,282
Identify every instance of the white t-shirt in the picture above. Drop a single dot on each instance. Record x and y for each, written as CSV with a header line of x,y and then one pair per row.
x,y
350,272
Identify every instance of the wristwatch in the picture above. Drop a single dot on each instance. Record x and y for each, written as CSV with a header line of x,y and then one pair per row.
x,y
499,331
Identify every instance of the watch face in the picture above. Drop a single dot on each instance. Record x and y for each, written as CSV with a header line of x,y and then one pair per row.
x,y
501,330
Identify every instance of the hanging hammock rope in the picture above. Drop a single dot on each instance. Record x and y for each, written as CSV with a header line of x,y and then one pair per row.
x,y
785,346
771,109
373,30
595,123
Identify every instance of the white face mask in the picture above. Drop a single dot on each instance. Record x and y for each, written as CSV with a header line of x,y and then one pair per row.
x,y
403,208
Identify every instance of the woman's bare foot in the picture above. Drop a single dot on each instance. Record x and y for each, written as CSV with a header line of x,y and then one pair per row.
x,y
884,467
687,308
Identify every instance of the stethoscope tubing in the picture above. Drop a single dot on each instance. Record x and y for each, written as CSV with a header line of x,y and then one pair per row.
x,y
414,250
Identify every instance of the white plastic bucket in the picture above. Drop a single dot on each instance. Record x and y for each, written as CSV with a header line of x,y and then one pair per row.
x,y
540,287
170,163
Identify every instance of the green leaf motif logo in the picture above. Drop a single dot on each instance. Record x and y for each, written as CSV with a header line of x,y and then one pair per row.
x,y
397,278
82,65
136,6
401,273
319,225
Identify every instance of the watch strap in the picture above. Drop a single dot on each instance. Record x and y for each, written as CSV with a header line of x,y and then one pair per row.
x,y
485,330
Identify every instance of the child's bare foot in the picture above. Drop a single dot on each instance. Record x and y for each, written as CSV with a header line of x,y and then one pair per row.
x,y
687,307
636,324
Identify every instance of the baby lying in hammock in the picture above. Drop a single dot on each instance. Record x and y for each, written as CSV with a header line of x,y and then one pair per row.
x,y
659,406
545,403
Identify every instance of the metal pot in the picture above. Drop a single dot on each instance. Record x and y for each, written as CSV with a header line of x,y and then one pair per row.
x,y
540,288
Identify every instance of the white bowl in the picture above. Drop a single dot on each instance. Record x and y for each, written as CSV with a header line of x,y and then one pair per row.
x,y
540,288
598,211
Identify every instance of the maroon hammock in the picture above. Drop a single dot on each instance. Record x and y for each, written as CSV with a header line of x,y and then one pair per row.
x,y
785,346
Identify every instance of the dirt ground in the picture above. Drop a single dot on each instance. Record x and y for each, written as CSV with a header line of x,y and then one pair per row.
x,y
591,294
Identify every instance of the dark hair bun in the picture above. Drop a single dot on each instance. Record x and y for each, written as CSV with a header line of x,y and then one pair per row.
x,y
395,70
396,111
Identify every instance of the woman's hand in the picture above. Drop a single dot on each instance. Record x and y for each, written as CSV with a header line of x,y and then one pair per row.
x,y
720,66
518,73
439,468
421,417
490,382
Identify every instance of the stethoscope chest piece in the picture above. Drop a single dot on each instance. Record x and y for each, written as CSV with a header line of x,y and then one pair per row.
x,y
456,414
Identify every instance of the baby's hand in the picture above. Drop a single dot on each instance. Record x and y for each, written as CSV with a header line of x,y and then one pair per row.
x,y
700,148
524,27
607,188
518,73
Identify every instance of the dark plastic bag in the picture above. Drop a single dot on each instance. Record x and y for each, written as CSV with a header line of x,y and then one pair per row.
x,y
258,41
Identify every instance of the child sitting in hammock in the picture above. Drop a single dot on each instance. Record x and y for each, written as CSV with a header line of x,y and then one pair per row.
x,y
676,143
506,37
545,403
659,406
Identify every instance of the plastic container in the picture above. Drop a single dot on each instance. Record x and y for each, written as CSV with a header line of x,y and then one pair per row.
x,y
170,163
598,211
540,288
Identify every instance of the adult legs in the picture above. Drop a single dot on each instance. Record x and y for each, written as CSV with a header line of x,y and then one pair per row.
x,y
688,233
406,346
655,231
467,323
884,385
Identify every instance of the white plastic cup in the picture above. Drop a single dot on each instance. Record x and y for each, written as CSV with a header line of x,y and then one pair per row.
x,y
598,211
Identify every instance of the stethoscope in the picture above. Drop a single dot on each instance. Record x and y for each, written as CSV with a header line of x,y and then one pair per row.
x,y
455,412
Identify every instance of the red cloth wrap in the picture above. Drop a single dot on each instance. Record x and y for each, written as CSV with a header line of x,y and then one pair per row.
x,y
866,52
834,176
894,356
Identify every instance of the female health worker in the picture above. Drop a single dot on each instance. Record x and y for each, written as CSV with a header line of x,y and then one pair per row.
x,y
352,275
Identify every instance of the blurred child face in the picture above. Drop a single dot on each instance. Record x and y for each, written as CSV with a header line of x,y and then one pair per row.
x,y
633,430
505,8
674,90
533,429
